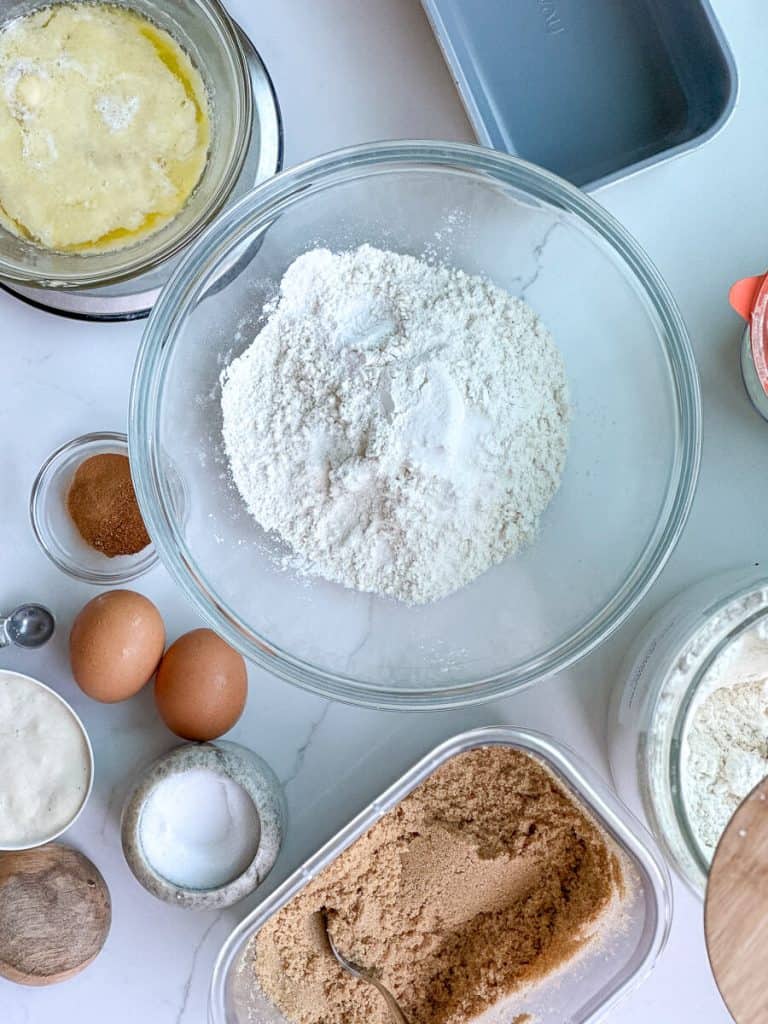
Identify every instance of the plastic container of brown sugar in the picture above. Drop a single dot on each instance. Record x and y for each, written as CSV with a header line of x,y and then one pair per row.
x,y
582,992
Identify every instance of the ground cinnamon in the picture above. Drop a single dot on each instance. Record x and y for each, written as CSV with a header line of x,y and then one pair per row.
x,y
103,506
488,878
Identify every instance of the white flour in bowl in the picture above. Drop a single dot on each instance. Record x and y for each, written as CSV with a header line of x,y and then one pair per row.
x,y
401,425
725,744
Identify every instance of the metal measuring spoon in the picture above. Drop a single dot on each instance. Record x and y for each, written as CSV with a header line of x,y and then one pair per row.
x,y
29,625
361,974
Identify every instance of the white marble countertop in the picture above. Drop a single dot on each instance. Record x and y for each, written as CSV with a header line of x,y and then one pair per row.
x,y
349,71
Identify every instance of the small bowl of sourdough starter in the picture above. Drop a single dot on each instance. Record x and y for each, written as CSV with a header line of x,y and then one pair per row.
x,y
46,763
688,727
123,130
499,879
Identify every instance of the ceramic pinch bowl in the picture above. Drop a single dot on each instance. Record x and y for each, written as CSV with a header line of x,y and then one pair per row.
x,y
240,766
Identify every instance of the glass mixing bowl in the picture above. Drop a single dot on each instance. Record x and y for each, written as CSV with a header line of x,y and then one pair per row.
x,y
205,31
634,447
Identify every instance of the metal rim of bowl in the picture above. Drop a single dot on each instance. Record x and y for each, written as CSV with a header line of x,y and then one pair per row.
x,y
256,209
91,765
78,572
227,30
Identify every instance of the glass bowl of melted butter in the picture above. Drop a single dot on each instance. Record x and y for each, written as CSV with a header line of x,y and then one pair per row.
x,y
123,129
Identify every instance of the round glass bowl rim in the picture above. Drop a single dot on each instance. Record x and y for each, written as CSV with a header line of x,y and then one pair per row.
x,y
254,212
91,764
142,257
673,775
132,572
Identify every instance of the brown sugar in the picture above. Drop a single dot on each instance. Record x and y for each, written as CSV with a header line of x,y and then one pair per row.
x,y
102,503
486,879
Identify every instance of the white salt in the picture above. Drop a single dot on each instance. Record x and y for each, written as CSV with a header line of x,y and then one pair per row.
x,y
199,829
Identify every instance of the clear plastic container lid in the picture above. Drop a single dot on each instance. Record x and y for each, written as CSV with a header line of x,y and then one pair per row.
x,y
585,990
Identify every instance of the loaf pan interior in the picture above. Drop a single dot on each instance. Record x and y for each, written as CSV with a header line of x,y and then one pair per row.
x,y
590,89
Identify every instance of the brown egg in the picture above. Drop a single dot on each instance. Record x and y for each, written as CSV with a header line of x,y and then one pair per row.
x,y
115,645
201,686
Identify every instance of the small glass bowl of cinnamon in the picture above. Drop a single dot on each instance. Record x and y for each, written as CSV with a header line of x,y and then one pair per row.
x,y
84,511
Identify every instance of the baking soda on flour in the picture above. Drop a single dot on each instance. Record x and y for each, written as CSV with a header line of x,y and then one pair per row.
x,y
401,425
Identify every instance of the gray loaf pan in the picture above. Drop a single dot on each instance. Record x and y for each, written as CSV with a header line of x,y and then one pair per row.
x,y
590,89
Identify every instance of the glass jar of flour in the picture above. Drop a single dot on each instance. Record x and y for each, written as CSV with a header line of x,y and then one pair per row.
x,y
688,723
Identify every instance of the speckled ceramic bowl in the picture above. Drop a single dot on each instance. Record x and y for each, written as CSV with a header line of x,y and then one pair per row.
x,y
241,766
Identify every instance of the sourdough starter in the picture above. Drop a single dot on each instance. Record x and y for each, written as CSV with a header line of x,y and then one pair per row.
x,y
44,762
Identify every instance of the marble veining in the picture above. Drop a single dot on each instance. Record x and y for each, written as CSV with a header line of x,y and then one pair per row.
x,y
62,378
301,752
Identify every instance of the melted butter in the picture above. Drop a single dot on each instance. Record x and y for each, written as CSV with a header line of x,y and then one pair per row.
x,y
100,186
120,237
168,52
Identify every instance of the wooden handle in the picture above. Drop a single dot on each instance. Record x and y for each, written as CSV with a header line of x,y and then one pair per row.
x,y
736,911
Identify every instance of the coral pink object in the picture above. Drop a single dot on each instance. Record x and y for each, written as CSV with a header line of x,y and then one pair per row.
x,y
749,297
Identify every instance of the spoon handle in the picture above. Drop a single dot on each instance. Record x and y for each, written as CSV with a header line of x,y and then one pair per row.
x,y
5,640
394,1009
358,972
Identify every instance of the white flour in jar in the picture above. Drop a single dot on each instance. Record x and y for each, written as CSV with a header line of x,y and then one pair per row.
x,y
401,425
725,743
